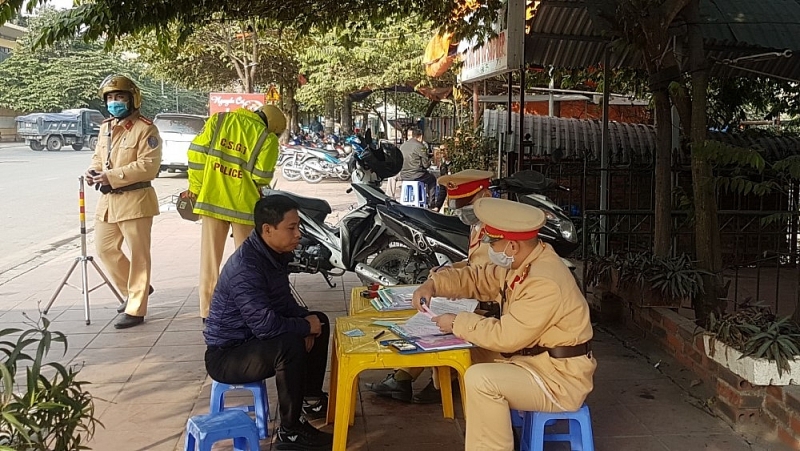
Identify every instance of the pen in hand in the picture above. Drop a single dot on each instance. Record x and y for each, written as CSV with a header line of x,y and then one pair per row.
x,y
379,335
425,308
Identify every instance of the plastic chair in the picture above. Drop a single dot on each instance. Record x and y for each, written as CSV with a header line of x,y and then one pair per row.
x,y
260,405
580,435
202,431
413,194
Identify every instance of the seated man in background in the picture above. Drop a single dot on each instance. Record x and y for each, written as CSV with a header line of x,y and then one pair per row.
x,y
255,328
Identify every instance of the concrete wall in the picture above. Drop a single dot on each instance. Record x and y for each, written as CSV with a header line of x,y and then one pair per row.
x,y
8,129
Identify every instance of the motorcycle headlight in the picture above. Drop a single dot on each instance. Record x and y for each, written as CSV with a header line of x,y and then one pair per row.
x,y
568,231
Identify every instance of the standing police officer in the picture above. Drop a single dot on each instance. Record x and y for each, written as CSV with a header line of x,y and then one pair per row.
x,y
127,158
229,163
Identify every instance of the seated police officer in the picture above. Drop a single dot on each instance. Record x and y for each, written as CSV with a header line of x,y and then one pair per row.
x,y
536,355
255,328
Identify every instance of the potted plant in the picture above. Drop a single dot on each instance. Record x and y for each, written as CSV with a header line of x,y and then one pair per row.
x,y
43,404
756,345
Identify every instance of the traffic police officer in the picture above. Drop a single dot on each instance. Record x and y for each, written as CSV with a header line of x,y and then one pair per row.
x,y
536,356
127,158
229,163
463,189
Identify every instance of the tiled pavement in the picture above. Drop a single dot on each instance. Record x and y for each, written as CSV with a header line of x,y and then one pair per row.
x,y
149,379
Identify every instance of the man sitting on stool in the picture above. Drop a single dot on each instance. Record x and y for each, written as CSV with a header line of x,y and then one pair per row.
x,y
255,329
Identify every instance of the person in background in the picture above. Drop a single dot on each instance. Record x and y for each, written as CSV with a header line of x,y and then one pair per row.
x,y
229,163
255,329
127,158
416,161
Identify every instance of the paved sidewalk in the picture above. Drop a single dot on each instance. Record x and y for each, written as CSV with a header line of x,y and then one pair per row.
x,y
151,378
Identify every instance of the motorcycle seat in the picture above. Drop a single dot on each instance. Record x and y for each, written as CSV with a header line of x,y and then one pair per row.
x,y
316,208
435,220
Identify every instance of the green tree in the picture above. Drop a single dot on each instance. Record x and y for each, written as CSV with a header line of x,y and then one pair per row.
x,y
67,75
340,63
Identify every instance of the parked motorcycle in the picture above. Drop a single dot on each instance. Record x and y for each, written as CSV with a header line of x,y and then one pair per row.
x,y
325,163
430,239
333,250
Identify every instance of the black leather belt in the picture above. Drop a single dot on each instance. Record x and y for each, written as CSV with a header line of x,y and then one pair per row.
x,y
133,187
559,352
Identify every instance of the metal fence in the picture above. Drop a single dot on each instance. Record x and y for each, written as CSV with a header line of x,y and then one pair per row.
x,y
758,234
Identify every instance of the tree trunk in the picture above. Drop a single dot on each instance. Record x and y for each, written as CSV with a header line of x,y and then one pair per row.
x,y
290,106
431,106
707,240
330,111
347,115
663,174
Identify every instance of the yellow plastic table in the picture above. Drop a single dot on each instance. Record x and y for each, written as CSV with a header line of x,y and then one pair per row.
x,y
360,306
352,355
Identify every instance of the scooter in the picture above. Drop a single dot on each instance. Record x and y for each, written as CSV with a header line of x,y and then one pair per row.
x,y
333,250
430,239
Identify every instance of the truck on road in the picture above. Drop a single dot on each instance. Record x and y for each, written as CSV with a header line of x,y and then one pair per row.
x,y
78,128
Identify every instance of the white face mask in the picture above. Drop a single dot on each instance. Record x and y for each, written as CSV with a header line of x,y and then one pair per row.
x,y
467,215
500,258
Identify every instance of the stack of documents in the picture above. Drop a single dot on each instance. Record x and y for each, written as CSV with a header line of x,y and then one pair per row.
x,y
423,332
394,298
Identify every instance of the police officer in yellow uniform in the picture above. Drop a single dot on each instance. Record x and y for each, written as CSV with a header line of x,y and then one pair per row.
x,y
127,158
229,162
536,356
463,189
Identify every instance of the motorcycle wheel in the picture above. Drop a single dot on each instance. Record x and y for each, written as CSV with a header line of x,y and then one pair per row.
x,y
291,171
406,266
344,176
310,174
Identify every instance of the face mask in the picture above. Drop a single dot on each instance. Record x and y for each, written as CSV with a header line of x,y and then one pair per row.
x,y
117,109
467,215
500,258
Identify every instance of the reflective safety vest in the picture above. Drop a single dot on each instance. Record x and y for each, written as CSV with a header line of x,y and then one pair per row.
x,y
229,162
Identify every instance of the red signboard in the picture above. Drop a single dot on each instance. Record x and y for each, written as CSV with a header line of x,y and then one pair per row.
x,y
228,101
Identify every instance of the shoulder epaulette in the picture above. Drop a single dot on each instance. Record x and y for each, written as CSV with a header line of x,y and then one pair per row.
x,y
146,120
109,119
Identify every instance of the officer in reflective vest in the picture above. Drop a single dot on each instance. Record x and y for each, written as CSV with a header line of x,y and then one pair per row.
x,y
229,163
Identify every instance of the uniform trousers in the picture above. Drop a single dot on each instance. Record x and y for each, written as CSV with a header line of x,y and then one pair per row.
x,y
131,275
212,245
492,390
298,373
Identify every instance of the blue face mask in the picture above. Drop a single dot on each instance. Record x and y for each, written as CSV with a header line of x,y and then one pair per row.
x,y
117,109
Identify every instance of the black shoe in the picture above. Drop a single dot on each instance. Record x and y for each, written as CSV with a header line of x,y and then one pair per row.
x,y
316,408
431,395
124,305
428,395
392,388
128,321
303,437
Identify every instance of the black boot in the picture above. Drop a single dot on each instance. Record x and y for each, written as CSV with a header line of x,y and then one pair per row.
x,y
124,305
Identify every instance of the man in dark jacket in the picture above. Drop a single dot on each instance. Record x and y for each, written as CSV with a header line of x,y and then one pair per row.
x,y
416,161
255,328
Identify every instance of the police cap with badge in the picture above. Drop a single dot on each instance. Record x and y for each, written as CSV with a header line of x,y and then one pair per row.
x,y
506,220
463,185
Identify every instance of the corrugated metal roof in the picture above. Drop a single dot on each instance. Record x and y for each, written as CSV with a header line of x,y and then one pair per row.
x,y
629,143
570,33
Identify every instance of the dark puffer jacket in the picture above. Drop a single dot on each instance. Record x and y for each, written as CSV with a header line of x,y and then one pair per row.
x,y
253,298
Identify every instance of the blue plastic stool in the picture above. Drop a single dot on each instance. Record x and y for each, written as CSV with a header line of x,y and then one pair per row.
x,y
580,435
202,431
260,406
413,194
